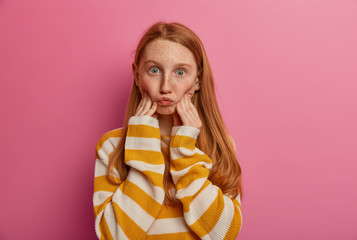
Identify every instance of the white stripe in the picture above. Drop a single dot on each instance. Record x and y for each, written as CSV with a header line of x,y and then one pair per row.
x,y
144,120
142,182
240,212
179,152
113,226
219,231
143,166
201,203
238,199
141,143
196,150
163,143
100,169
191,189
168,225
176,175
174,130
100,197
187,131
133,210
97,222
114,141
241,219
107,147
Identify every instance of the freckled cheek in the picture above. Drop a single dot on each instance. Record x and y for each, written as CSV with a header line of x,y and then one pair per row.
x,y
186,89
145,84
190,88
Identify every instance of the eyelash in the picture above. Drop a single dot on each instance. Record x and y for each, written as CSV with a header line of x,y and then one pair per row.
x,y
159,71
153,68
183,71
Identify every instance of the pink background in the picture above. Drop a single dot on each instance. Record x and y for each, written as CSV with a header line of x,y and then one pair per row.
x,y
285,73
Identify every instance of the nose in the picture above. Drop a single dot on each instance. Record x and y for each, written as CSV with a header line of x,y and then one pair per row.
x,y
165,86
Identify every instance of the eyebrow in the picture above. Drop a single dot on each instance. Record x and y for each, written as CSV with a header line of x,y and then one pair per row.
x,y
176,65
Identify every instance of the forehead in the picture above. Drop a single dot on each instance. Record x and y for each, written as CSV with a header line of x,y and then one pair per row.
x,y
167,51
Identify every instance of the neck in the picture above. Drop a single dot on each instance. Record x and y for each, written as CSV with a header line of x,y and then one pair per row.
x,y
165,122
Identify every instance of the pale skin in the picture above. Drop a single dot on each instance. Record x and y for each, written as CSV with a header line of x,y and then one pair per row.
x,y
168,69
185,115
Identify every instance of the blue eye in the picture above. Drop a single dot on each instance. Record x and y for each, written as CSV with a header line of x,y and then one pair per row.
x,y
154,70
180,72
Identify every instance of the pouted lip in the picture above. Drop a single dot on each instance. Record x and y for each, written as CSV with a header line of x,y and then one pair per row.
x,y
164,99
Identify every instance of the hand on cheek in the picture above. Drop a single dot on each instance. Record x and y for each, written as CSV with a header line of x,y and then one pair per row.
x,y
146,106
187,114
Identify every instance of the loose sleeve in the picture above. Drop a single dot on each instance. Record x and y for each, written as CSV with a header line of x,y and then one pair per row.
x,y
207,211
128,210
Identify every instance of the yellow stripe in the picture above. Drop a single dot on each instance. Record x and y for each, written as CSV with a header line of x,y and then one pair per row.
x,y
101,184
186,201
235,226
99,208
114,133
168,211
142,198
235,201
146,156
211,216
183,141
130,228
193,174
186,161
143,131
104,230
173,236
155,178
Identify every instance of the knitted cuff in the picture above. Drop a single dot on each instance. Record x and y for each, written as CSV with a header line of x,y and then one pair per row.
x,y
144,120
187,131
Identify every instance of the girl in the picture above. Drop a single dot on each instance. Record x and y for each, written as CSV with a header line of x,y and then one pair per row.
x,y
171,172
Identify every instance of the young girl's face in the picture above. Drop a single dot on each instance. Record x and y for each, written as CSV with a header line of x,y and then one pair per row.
x,y
167,71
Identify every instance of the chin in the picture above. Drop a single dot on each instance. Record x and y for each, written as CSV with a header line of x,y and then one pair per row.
x,y
166,110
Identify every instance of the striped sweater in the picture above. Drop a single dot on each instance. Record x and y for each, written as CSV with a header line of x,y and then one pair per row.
x,y
135,209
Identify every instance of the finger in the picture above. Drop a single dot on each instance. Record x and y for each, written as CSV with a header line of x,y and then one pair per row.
x,y
192,109
194,112
187,110
184,101
191,116
182,113
196,120
152,110
139,106
148,104
139,111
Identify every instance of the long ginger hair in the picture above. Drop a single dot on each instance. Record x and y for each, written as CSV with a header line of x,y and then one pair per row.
x,y
213,139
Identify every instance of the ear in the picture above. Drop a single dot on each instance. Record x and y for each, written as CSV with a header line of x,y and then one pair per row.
x,y
136,74
197,84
